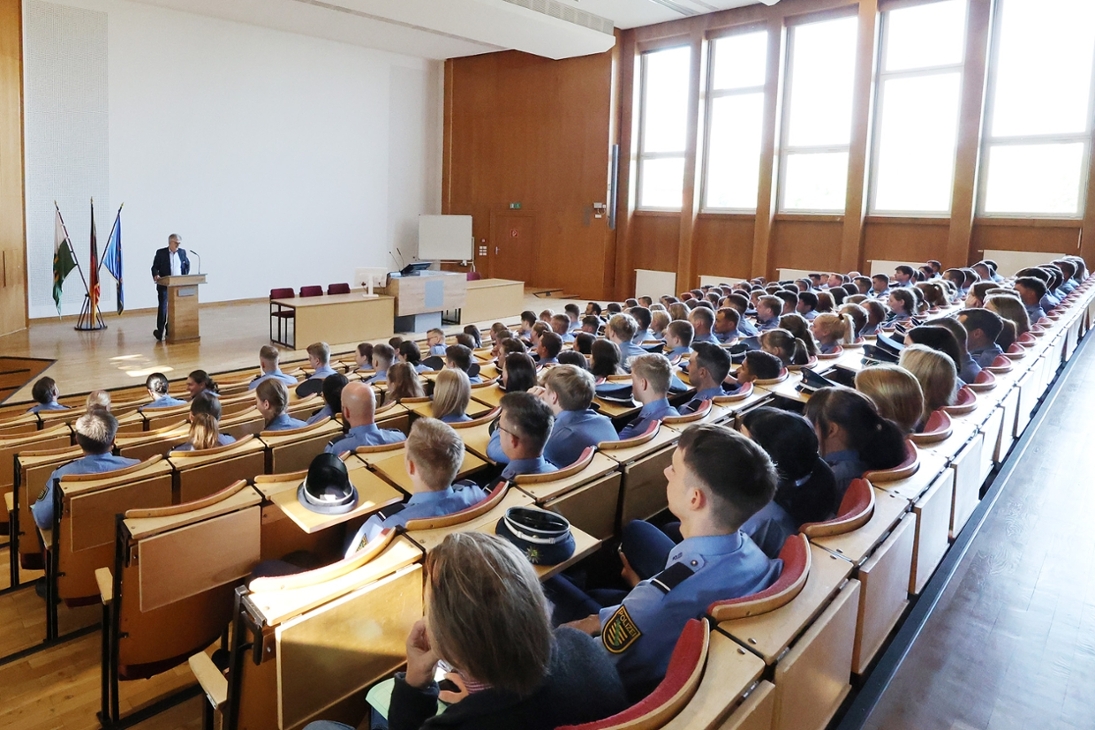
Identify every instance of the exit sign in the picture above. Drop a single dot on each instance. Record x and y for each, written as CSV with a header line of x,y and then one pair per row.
x,y
515,206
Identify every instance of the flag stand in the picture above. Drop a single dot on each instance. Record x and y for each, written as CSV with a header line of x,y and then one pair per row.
x,y
86,322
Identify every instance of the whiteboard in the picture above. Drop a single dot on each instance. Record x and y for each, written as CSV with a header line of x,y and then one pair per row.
x,y
444,238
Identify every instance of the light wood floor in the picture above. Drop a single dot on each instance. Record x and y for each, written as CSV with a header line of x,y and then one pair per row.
x,y
125,353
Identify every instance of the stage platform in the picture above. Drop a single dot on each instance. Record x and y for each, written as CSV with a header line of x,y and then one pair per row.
x,y
125,353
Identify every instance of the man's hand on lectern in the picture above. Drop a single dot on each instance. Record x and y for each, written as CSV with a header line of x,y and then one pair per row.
x,y
155,277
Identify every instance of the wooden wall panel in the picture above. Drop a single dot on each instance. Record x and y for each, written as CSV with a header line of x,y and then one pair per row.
x,y
903,240
1031,237
723,246
806,244
653,244
13,282
519,128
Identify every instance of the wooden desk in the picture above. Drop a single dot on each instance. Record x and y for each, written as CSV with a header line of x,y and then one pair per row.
x,y
339,318
373,494
391,468
430,291
490,300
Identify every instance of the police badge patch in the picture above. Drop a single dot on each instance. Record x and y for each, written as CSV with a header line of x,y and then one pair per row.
x,y
620,632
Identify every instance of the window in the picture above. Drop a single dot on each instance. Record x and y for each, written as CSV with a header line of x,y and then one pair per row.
x,y
736,121
663,122
817,124
1040,109
919,93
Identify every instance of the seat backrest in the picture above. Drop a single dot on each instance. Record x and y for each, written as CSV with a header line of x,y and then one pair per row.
x,y
465,515
699,414
938,428
682,678
201,473
985,380
855,511
964,402
648,435
744,392
283,293
783,373
904,470
311,291
1000,365
584,459
795,555
293,450
485,418
340,288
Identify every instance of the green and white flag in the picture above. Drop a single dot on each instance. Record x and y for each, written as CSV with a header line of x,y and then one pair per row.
x,y
64,260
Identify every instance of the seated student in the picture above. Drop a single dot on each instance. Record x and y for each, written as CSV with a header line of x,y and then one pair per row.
x,y
583,343
880,286
409,353
789,349
650,375
789,299
678,339
394,341
983,326
702,320
199,381
271,400
459,357
403,382
876,315
643,318
432,459
902,304
546,315
741,303
939,339
863,285
359,412
268,362
463,338
593,308
903,275
769,311
1068,274
1008,306
435,342
725,328
205,416
936,374
815,282
451,396
799,328
363,357
538,330
708,366
332,398
568,391
826,301
605,359
807,305
854,438
620,330
560,325
158,391
319,358
859,318
45,395
523,429
551,344
806,488
473,332
1031,291
978,292
383,356
757,365
518,373
969,368
659,322
575,358
101,399
718,479
895,392
574,315
591,324
678,311
95,432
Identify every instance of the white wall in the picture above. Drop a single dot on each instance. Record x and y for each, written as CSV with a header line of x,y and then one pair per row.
x,y
283,159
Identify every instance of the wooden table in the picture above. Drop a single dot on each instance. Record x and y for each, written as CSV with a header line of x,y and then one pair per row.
x,y
373,494
339,318
492,300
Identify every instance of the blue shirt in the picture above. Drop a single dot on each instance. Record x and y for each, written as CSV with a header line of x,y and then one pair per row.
x,y
367,435
847,467
676,352
770,528
539,465
653,411
42,509
642,337
276,375
322,372
986,355
164,401
421,504
438,350
284,422
810,316
629,351
381,376
746,328
650,619
1034,311
768,325
456,418
727,338
1048,302
324,412
51,406
222,440
710,338
827,348
970,369
573,432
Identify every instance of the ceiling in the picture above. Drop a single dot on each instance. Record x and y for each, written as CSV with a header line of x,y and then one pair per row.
x,y
439,29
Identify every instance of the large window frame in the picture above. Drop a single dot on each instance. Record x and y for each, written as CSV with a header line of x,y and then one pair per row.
x,y
641,155
713,94
987,141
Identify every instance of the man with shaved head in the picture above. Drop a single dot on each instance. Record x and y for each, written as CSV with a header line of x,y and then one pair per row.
x,y
359,411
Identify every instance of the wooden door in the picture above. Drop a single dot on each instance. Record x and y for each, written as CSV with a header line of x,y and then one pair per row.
x,y
512,246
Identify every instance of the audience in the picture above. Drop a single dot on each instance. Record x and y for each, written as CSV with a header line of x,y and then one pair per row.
x,y
358,411
268,362
403,382
319,359
936,374
451,396
205,416
198,381
332,398
983,327
518,373
522,431
568,391
158,390
604,359
271,399
383,356
650,376
895,392
45,394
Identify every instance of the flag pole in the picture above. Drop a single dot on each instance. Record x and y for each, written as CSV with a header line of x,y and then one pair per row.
x,y
68,240
111,234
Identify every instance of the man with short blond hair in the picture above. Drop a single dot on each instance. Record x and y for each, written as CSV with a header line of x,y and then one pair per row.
x,y
319,358
568,391
268,362
650,376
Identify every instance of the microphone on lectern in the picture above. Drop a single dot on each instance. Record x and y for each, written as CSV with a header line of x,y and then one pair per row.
x,y
199,259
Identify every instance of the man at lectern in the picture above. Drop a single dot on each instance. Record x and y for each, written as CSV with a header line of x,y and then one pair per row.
x,y
170,261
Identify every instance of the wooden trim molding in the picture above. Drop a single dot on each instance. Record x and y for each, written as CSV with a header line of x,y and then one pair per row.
x,y
855,206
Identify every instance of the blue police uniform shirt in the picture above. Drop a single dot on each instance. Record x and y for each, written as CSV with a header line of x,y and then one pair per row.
x,y
970,369
709,338
869,330
628,352
420,368
810,316
827,348
455,418
539,465
653,411
640,633
42,509
746,328
276,375
1048,302
676,352
494,448
545,361
1068,286
322,372
51,406
421,504
769,528
223,439
380,377
324,412
847,467
1034,311
164,401
987,355
726,338
879,294
438,350
899,317
642,337
770,324
573,432
284,422
568,337
367,435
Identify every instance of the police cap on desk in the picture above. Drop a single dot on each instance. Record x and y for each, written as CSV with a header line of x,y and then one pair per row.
x,y
327,488
544,537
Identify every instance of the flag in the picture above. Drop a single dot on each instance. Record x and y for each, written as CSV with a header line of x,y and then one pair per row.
x,y
112,258
93,283
64,260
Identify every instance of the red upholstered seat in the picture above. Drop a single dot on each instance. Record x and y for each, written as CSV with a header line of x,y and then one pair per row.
x,y
783,373
965,402
702,409
651,431
904,470
283,293
855,511
1015,352
809,364
279,315
796,568
985,380
680,683
474,276
341,288
1000,365
1027,339
311,291
937,428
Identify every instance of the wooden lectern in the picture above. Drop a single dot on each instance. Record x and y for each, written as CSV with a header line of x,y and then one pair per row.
x,y
182,306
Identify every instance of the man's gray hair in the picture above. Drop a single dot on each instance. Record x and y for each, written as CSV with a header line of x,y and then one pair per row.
x,y
97,426
174,237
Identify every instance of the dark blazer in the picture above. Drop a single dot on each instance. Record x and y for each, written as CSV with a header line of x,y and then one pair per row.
x,y
582,686
161,264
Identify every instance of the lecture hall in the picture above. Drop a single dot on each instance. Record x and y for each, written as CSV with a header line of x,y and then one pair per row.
x,y
547,364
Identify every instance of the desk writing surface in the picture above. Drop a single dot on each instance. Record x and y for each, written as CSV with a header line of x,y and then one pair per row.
x,y
373,493
490,395
425,410
143,527
858,544
476,439
616,410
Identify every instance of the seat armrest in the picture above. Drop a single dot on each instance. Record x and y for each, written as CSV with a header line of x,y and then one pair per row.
x,y
213,683
105,582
